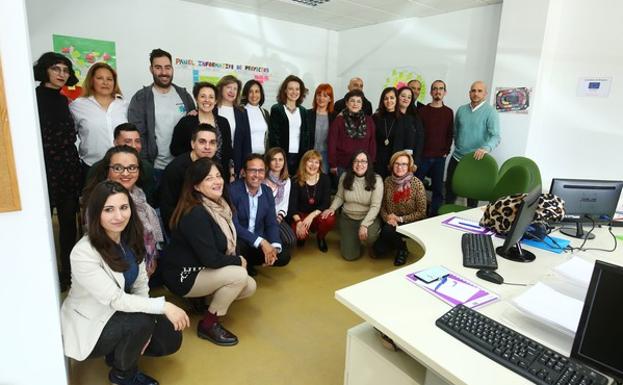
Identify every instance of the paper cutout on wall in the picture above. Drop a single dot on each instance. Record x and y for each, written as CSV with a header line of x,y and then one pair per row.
x,y
83,53
512,99
401,76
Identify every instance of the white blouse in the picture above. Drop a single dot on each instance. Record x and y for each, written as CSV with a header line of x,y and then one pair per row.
x,y
258,125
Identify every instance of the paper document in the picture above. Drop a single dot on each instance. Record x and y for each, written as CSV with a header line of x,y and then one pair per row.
x,y
454,288
546,305
467,225
577,270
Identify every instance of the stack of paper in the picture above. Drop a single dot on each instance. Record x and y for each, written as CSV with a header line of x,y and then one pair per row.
x,y
549,306
577,270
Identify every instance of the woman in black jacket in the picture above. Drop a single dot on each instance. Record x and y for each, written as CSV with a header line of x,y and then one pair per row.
x,y
201,259
408,110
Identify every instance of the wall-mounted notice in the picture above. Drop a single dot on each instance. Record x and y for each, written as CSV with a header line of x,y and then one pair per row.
x,y
594,86
515,99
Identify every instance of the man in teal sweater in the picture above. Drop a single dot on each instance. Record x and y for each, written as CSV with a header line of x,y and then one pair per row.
x,y
476,129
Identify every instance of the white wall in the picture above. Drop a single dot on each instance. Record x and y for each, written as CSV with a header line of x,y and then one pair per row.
x,y
458,47
187,30
30,337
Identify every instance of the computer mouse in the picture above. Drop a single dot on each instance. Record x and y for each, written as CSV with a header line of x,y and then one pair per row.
x,y
490,275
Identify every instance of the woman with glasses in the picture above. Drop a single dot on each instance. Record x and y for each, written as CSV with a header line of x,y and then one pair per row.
x,y
97,112
108,311
311,194
122,164
351,131
62,164
359,193
404,201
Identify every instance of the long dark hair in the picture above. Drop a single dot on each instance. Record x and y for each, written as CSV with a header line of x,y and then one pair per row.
x,y
100,172
132,235
247,89
382,110
189,197
411,110
369,176
282,96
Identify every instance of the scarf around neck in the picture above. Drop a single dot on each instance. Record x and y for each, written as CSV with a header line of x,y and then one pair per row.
x,y
281,186
355,124
403,187
221,213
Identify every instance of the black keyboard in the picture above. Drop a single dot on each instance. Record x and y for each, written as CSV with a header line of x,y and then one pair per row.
x,y
478,251
515,351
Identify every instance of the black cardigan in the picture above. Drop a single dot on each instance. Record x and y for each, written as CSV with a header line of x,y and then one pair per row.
x,y
311,124
401,137
279,129
299,196
182,134
196,242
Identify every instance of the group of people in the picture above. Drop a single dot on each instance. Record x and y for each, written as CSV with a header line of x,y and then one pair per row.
x,y
198,193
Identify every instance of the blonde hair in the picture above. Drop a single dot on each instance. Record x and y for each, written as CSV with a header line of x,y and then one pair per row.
x,y
301,173
397,155
87,89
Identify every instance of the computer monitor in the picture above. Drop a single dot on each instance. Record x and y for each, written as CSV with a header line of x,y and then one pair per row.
x,y
584,199
599,338
511,249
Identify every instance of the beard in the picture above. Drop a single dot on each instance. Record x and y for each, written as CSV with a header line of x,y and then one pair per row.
x,y
163,82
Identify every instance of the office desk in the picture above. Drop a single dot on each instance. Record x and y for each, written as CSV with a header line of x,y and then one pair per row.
x,y
407,314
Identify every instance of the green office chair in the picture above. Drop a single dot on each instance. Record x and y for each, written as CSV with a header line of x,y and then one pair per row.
x,y
529,164
474,179
515,180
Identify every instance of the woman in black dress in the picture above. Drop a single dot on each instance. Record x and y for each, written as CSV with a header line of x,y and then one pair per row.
x,y
62,164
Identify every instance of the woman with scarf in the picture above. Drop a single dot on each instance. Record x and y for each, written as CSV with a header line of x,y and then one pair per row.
x,y
201,259
404,201
393,131
122,164
278,179
351,131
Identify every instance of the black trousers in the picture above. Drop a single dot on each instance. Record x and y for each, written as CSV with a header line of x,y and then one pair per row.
x,y
256,256
293,162
66,212
389,239
450,195
126,334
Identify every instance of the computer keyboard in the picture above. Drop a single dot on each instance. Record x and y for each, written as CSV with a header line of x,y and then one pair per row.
x,y
515,351
478,251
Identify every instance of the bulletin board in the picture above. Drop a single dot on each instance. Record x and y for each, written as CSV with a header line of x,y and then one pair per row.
x,y
9,193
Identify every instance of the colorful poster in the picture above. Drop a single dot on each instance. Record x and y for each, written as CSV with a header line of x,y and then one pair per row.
x,y
512,99
400,77
84,52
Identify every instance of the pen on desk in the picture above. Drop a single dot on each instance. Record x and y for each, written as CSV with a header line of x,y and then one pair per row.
x,y
470,225
443,280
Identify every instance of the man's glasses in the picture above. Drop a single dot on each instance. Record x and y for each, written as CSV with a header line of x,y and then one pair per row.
x,y
60,70
259,171
119,169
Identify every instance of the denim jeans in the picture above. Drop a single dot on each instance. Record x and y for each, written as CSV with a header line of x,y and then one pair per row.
x,y
433,167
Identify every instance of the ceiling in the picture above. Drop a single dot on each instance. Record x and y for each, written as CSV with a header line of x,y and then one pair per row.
x,y
340,15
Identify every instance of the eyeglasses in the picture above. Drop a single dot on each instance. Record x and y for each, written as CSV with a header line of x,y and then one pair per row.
x,y
259,171
439,88
119,169
360,162
401,164
60,70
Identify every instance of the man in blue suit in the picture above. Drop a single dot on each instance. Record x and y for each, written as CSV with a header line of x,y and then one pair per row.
x,y
255,218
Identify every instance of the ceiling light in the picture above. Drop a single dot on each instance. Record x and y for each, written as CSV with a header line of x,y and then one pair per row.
x,y
310,3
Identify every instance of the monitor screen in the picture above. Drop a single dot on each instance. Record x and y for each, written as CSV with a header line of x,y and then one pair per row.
x,y
599,339
511,249
595,198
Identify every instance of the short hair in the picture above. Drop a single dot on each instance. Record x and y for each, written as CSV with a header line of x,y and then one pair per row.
x,y
301,173
247,88
199,86
445,87
382,110
227,80
87,85
354,93
127,127
282,96
202,127
132,234
250,157
326,88
414,80
49,59
270,155
397,155
156,53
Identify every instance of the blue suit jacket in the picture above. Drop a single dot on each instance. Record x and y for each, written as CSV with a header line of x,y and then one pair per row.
x,y
266,225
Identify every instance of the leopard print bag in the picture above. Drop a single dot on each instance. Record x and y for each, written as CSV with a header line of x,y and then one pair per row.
x,y
500,214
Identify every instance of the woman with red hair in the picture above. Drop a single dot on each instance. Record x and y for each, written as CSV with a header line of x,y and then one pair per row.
x,y
319,119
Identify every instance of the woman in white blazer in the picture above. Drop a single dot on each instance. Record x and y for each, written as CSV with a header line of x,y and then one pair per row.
x,y
108,311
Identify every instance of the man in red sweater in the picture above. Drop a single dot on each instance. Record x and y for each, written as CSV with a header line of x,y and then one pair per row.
x,y
438,121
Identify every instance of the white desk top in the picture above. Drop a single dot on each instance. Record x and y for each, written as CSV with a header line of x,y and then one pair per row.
x,y
407,314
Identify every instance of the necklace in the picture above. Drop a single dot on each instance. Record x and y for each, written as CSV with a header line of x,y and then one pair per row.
x,y
311,197
390,131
